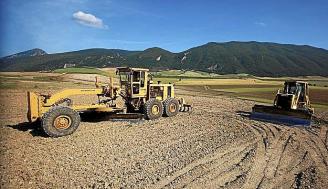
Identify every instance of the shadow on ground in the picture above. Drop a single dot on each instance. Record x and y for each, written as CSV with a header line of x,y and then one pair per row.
x,y
94,117
33,128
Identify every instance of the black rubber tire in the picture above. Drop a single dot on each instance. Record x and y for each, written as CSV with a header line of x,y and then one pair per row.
x,y
47,122
147,110
167,103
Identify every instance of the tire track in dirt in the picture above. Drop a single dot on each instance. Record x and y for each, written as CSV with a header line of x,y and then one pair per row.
x,y
282,153
221,155
275,156
254,179
313,146
296,164
218,174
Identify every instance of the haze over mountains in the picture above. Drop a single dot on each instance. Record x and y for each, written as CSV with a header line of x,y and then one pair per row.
x,y
255,58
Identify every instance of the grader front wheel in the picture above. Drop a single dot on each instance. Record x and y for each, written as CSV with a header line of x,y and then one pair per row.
x,y
171,107
153,109
60,121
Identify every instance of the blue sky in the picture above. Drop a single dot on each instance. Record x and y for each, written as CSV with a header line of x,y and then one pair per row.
x,y
66,25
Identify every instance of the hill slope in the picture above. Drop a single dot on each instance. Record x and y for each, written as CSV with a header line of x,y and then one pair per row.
x,y
262,59
256,58
32,52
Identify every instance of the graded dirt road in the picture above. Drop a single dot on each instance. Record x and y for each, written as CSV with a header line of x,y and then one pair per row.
x,y
215,146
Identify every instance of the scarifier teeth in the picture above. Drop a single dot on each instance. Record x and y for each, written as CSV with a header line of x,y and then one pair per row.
x,y
185,109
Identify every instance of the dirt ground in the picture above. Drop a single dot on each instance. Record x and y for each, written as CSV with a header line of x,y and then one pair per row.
x,y
215,146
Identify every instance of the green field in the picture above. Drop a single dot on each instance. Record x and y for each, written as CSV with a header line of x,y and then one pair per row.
x,y
82,70
36,81
183,74
260,89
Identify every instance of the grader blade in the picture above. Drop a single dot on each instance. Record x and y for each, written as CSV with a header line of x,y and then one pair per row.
x,y
103,116
277,115
126,116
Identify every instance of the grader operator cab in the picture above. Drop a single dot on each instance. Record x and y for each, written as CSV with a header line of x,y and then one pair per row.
x,y
59,116
142,95
291,106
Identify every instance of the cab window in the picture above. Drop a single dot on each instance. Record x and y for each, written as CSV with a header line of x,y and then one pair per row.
x,y
142,79
136,76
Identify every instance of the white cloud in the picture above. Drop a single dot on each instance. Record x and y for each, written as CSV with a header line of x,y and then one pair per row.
x,y
89,20
260,24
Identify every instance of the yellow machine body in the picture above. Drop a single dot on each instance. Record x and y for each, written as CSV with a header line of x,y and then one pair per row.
x,y
291,106
136,88
38,104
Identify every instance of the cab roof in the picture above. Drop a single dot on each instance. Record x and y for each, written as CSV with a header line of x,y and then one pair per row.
x,y
295,81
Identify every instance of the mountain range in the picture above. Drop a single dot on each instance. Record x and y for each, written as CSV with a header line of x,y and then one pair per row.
x,y
255,58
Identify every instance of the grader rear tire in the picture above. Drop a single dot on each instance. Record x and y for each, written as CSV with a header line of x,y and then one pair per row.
x,y
171,107
153,109
60,121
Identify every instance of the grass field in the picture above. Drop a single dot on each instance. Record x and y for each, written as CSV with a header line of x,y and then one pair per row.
x,y
260,89
83,70
183,74
35,81
252,89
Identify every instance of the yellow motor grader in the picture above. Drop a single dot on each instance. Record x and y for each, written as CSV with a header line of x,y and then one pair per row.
x,y
60,117
291,106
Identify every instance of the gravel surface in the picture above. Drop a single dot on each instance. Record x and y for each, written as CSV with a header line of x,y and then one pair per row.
x,y
216,145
